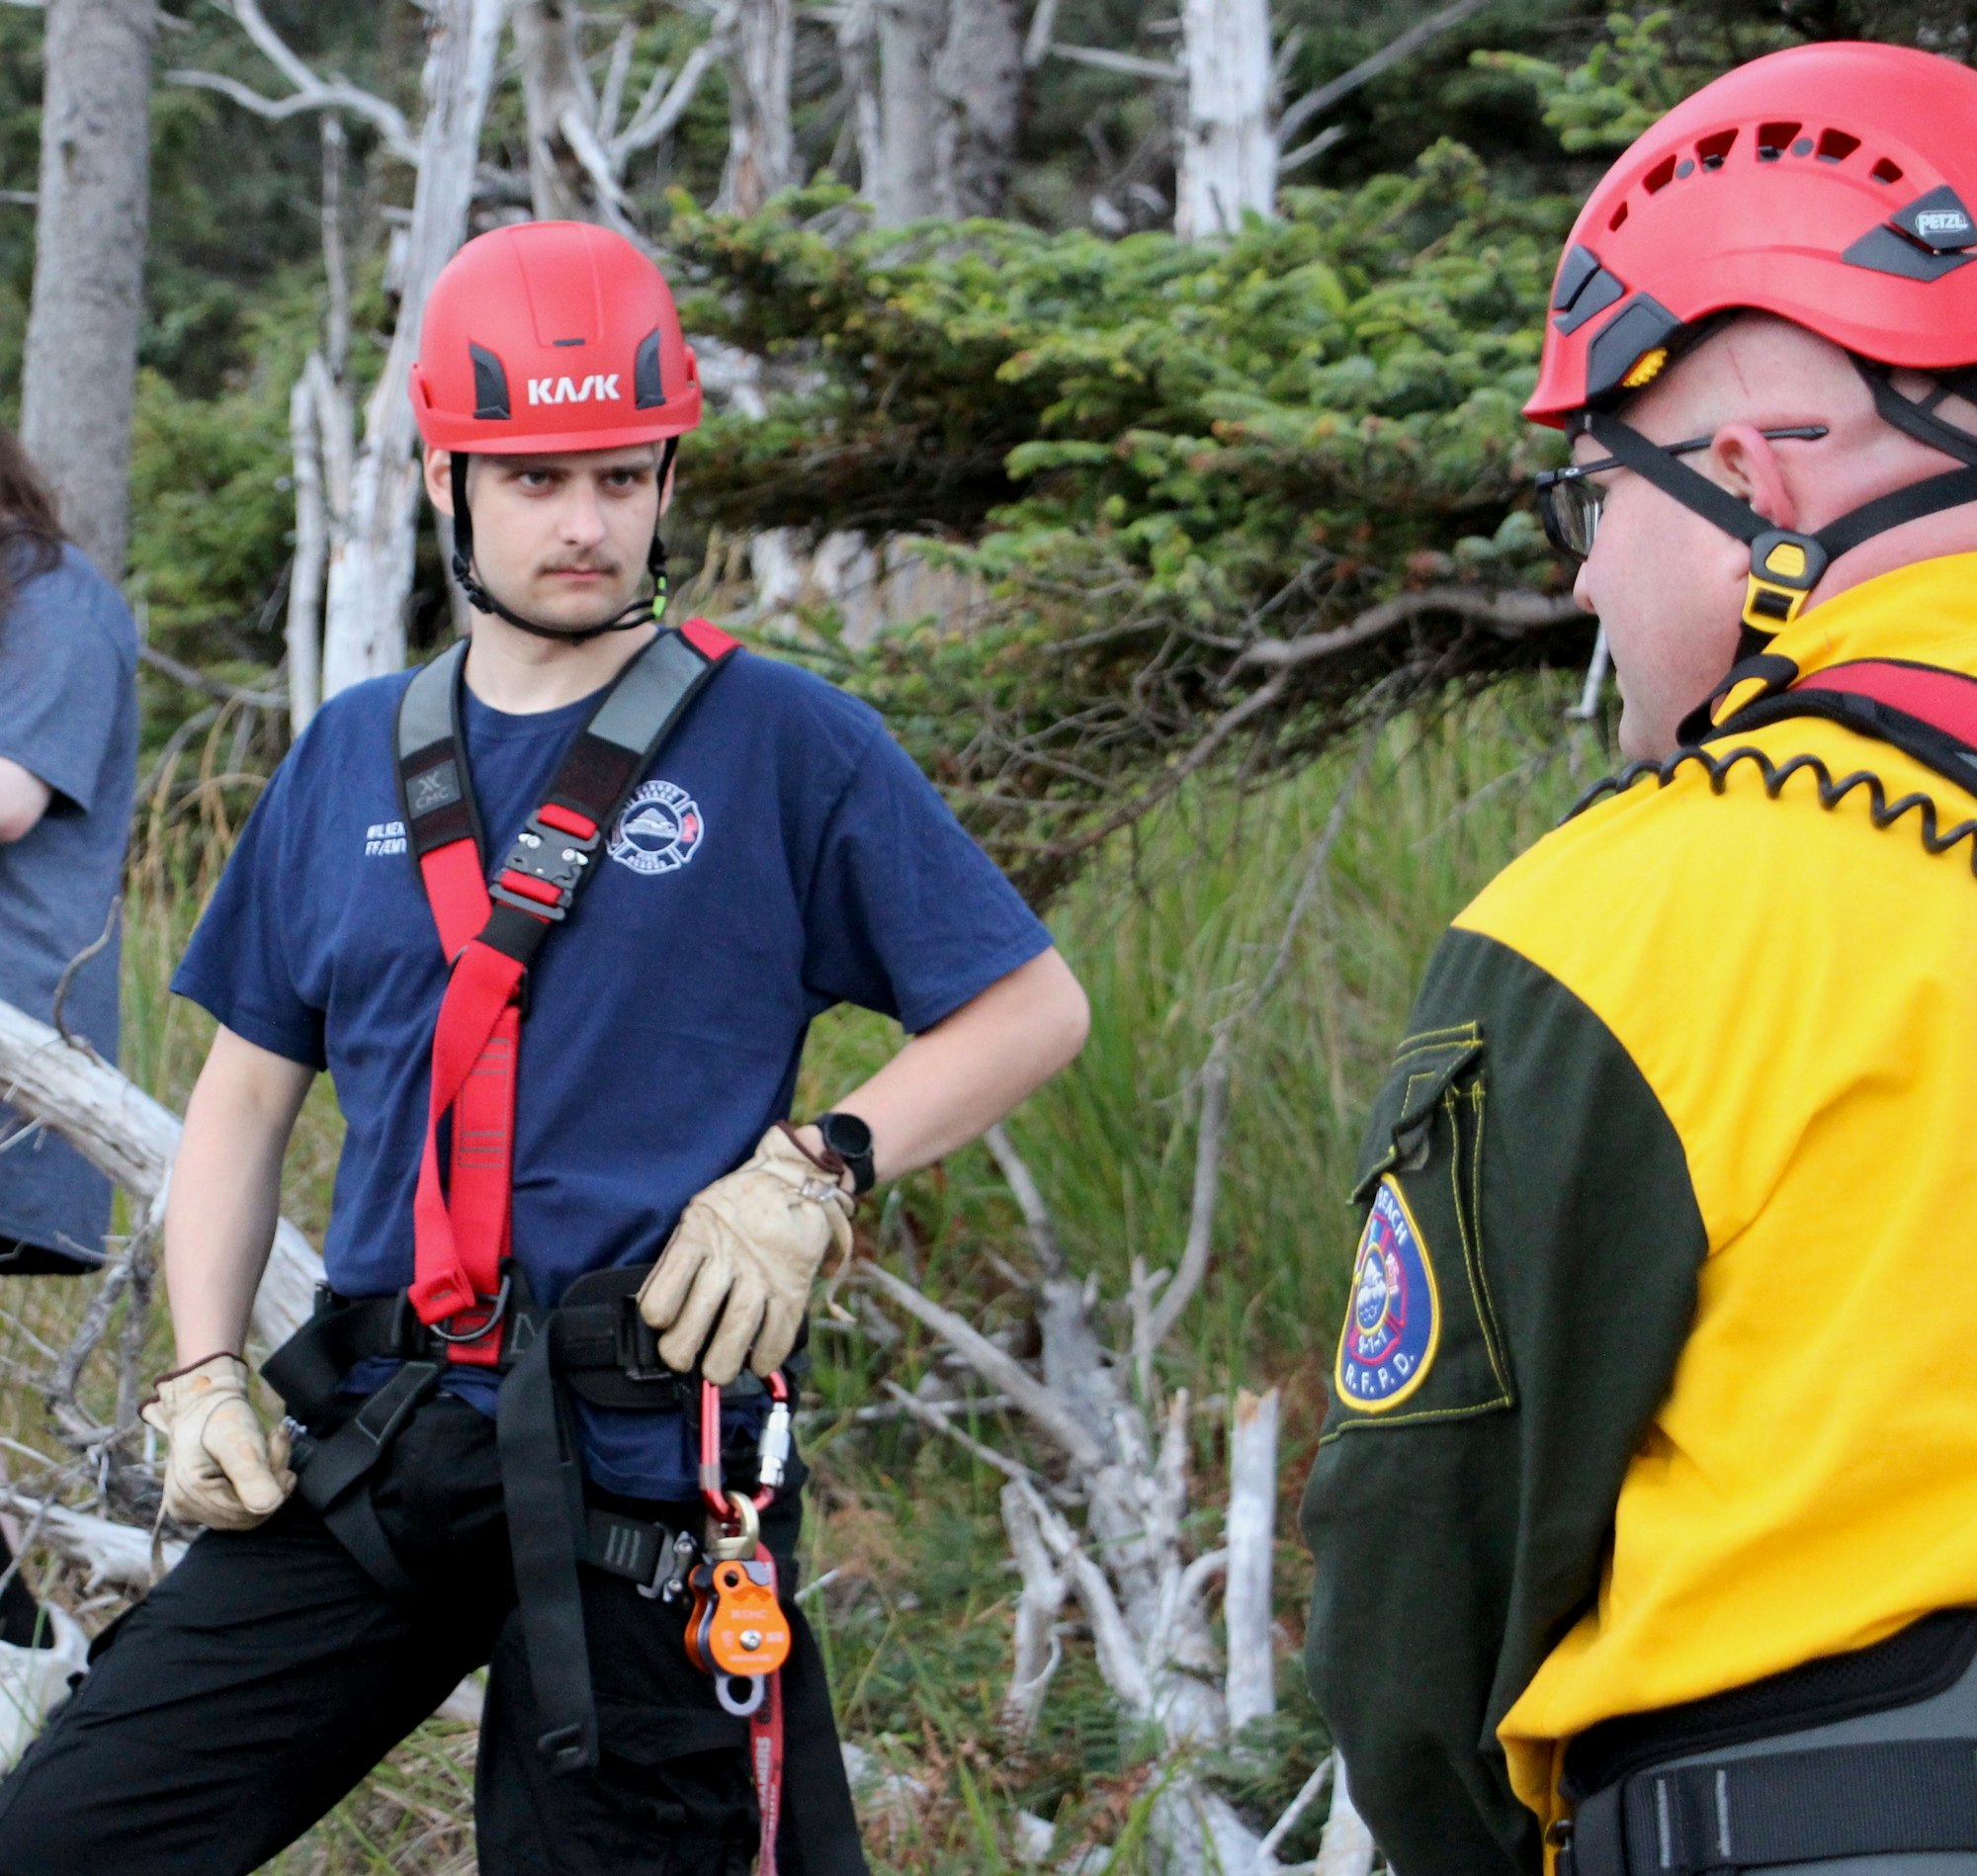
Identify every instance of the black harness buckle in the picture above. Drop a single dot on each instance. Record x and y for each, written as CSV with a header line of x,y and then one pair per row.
x,y
639,1345
556,858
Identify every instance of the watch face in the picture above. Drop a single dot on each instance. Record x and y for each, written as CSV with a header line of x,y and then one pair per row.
x,y
846,1134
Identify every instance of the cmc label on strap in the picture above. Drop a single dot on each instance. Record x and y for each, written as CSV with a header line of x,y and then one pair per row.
x,y
1393,1319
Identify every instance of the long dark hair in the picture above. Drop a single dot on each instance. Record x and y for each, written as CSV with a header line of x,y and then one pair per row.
x,y
30,532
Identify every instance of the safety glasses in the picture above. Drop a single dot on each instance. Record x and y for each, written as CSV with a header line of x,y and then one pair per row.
x,y
1569,498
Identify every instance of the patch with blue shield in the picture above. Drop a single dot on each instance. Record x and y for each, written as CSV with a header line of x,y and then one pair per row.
x,y
1392,1321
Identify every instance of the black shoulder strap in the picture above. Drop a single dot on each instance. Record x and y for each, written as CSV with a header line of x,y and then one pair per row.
x,y
1927,712
550,856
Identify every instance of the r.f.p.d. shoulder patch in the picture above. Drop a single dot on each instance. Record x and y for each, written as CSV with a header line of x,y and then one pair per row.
x,y
1392,1321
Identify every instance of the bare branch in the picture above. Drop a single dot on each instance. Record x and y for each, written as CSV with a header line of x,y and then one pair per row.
x,y
1001,1371
1298,1806
1348,1848
1193,1265
1305,153
322,97
1314,103
1038,1650
1037,43
129,1137
110,1553
93,949
1130,63
612,101
651,121
1118,1658
1023,1184
1204,751
1513,614
929,1413
207,685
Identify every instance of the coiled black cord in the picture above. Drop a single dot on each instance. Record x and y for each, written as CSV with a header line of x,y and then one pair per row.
x,y
1776,775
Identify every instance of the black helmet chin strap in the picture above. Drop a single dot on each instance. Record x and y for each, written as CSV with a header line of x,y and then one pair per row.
x,y
639,612
1785,565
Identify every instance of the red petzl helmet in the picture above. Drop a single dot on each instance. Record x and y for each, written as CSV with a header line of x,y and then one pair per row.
x,y
551,336
1834,184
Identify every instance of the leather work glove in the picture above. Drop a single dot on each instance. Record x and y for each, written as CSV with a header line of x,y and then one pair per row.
x,y
223,1471
738,1267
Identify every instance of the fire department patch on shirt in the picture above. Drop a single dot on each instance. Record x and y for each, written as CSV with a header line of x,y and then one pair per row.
x,y
1392,1321
659,830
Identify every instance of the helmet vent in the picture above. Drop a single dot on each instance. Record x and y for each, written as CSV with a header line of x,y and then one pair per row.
x,y
1887,172
1619,215
1659,178
1836,146
1714,151
1774,140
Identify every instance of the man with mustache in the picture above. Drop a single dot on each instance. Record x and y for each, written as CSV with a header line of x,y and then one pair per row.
x,y
570,1202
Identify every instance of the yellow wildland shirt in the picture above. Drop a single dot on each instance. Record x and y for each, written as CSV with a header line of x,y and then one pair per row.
x,y
1679,1158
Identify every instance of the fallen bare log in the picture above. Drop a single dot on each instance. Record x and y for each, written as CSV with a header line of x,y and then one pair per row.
x,y
131,1138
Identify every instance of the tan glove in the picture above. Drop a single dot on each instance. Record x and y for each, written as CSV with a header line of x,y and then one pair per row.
x,y
738,1267
223,1471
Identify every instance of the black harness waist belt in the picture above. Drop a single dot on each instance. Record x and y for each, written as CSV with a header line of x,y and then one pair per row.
x,y
1895,1796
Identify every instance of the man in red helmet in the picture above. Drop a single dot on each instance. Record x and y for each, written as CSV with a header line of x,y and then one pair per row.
x,y
1642,1512
540,1419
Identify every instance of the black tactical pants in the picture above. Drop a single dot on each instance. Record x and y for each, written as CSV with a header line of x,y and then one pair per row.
x,y
262,1678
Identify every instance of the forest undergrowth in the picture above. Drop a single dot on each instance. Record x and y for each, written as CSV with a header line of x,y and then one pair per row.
x,y
904,1544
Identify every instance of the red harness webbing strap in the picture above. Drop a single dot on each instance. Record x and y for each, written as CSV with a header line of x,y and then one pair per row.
x,y
461,1226
765,1762
1946,700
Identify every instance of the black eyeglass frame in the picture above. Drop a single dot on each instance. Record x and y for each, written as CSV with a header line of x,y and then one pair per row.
x,y
1559,526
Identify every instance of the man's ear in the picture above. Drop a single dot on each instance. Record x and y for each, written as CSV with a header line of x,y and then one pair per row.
x,y
439,480
1742,459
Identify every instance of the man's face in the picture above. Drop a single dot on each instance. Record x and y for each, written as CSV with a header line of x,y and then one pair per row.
x,y
559,539
1668,586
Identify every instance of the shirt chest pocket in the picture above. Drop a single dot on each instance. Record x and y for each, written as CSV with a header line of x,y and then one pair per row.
x,y
1420,1341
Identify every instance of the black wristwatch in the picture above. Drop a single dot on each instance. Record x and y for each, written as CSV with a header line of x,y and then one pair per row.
x,y
850,1140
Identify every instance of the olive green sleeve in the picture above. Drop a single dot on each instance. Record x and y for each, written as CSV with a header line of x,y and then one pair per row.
x,y
1525,1285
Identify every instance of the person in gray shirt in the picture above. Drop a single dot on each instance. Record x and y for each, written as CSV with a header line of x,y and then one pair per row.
x,y
68,758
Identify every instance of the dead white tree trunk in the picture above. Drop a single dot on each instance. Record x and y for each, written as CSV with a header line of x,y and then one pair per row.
x,y
322,442
1250,1686
127,1135
370,491
81,363
371,567
1228,148
937,134
761,146
554,87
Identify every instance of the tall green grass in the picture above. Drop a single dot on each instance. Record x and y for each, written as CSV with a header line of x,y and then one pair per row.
x,y
1171,934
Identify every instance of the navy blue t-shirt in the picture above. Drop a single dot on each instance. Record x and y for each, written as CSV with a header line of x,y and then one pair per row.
x,y
783,855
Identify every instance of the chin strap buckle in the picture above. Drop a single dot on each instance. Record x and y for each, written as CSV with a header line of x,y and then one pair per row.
x,y
1784,568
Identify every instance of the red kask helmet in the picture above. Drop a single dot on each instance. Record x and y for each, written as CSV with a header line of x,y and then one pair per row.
x,y
545,337
550,336
1834,184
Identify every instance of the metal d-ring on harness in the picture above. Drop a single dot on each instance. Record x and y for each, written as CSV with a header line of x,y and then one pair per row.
x,y
1927,712
470,1301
